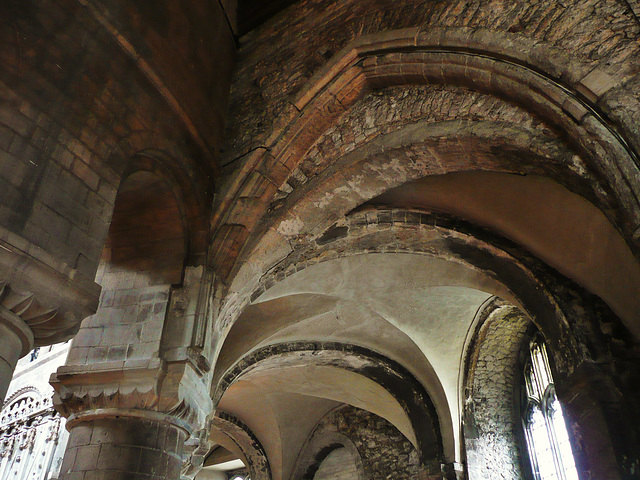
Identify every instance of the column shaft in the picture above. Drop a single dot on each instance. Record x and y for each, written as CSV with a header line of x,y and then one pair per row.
x,y
16,339
123,448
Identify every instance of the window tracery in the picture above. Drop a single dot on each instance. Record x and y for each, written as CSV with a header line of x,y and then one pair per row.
x,y
544,424
28,425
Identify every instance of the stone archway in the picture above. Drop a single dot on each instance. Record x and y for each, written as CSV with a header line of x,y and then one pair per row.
x,y
491,422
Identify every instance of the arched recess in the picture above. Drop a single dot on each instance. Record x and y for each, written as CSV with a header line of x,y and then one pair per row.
x,y
189,188
339,460
147,235
604,445
143,257
318,449
282,391
492,426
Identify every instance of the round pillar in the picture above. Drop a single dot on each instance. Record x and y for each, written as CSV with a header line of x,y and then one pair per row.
x,y
16,340
118,444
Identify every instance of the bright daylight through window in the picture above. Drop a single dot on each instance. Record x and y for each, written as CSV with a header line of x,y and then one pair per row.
x,y
546,431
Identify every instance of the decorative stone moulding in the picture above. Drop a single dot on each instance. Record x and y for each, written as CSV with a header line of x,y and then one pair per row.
x,y
28,424
50,297
23,404
155,390
571,97
250,448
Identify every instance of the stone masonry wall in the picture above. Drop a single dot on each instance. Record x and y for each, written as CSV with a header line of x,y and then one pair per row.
x,y
338,465
384,451
270,72
491,424
142,258
75,109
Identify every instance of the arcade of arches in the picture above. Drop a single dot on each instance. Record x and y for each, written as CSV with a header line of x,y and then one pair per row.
x,y
314,239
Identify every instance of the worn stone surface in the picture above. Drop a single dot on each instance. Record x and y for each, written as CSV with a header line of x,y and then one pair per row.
x,y
347,122
339,464
261,88
123,448
384,452
492,424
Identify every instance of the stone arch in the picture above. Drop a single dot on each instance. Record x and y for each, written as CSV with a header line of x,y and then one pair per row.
x,y
554,304
571,96
305,222
438,235
415,56
225,428
414,412
22,392
516,275
29,397
316,450
492,398
259,236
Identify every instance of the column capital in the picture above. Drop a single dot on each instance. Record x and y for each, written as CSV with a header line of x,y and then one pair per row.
x,y
48,295
171,393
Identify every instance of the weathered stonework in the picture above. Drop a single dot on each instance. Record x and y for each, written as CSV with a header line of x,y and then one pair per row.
x,y
383,451
268,222
561,26
493,428
123,448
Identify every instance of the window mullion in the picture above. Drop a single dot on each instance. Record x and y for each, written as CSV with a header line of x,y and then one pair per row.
x,y
551,431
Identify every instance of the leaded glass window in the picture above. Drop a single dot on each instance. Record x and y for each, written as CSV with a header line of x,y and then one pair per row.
x,y
545,428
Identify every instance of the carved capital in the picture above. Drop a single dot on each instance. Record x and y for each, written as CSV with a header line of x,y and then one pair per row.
x,y
48,295
174,390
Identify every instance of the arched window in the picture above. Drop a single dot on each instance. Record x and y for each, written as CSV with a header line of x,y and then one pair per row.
x,y
545,428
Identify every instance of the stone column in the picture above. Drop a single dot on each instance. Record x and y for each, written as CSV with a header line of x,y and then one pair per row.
x,y
130,423
119,444
16,340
